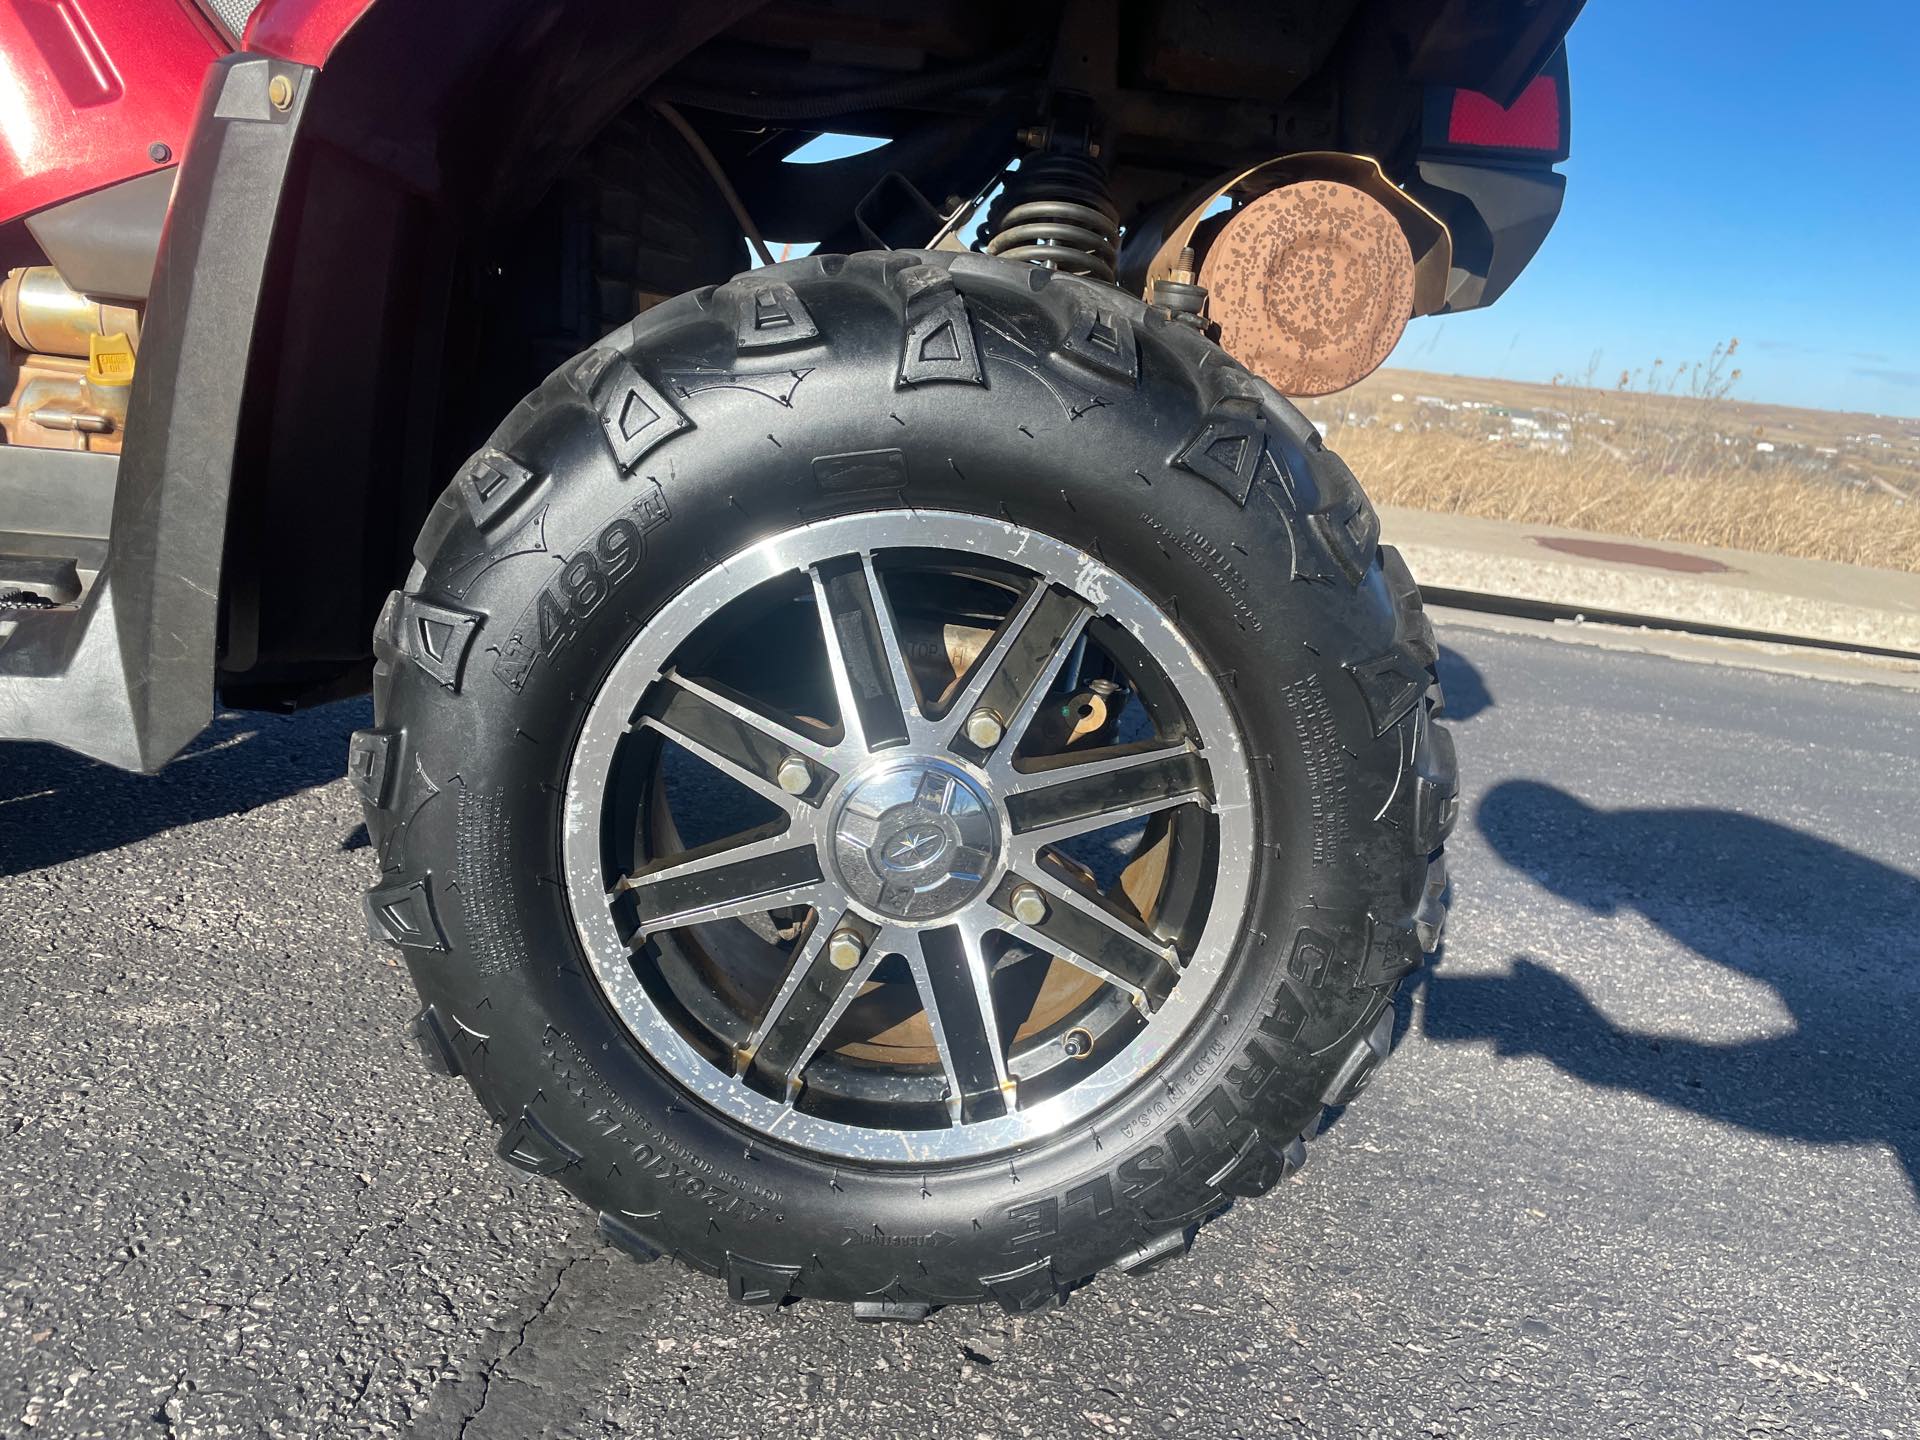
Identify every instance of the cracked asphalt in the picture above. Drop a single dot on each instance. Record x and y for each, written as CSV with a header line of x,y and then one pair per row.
x,y
1645,1164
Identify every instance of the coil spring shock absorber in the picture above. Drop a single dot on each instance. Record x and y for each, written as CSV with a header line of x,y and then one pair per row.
x,y
1056,211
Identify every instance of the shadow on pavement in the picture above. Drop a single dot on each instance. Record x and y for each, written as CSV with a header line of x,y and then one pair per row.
x,y
1831,931
1463,685
56,806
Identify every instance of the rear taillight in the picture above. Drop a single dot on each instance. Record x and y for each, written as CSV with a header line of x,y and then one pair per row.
x,y
1531,123
1533,128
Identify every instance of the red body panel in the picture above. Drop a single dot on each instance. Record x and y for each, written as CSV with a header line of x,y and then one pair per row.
x,y
88,87
302,30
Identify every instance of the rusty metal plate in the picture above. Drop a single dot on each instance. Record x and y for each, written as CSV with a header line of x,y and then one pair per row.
x,y
1311,285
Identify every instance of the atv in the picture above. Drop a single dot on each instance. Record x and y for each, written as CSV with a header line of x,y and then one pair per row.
x,y
903,774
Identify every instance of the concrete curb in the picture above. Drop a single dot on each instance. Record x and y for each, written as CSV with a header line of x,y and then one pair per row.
x,y
1552,569
1837,667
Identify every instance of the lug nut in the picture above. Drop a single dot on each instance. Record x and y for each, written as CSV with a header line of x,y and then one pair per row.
x,y
984,729
1029,905
845,949
793,775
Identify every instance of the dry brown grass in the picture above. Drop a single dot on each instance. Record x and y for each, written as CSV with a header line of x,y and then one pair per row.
x,y
1437,470
1654,458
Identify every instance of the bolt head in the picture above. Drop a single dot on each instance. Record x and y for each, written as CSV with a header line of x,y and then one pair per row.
x,y
793,775
984,729
280,92
1029,905
844,950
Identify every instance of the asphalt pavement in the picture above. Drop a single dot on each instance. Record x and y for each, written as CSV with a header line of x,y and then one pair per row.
x,y
1646,1163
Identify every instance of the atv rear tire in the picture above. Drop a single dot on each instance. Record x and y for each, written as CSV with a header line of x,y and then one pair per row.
x,y
915,409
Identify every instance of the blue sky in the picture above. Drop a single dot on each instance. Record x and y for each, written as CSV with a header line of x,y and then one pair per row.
x,y
1739,169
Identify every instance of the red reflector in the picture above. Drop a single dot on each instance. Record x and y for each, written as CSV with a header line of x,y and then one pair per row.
x,y
1531,123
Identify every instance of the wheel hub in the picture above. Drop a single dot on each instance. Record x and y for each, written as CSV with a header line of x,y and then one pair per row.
x,y
915,838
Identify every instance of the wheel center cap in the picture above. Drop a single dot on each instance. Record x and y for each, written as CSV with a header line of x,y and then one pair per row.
x,y
915,838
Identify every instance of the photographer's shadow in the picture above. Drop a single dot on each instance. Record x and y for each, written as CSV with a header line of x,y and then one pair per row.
x,y
1465,687
1832,932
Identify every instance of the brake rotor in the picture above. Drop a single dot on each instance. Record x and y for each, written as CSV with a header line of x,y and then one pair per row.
x,y
1311,285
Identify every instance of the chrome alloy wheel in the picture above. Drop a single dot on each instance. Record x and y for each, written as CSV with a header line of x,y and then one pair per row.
x,y
908,835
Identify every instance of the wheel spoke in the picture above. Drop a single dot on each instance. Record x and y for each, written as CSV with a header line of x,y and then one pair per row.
x,y
736,740
737,876
1110,786
949,968
887,629
810,1001
1105,947
1012,678
1064,895
966,697
863,653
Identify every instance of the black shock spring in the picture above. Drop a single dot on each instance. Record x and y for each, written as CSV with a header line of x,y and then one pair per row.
x,y
1056,210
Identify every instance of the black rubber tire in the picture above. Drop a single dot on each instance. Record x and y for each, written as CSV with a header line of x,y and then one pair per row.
x,y
835,385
